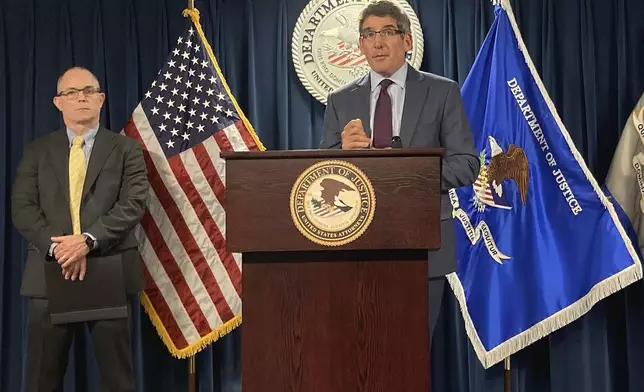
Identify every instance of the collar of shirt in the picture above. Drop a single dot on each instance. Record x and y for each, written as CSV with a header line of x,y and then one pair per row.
x,y
399,78
88,137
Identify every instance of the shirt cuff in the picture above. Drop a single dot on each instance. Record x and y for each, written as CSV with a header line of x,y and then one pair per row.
x,y
93,238
51,249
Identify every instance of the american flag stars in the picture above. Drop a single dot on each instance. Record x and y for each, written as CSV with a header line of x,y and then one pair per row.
x,y
187,98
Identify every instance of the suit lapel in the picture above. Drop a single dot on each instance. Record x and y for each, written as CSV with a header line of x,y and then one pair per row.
x,y
59,154
103,146
415,94
363,99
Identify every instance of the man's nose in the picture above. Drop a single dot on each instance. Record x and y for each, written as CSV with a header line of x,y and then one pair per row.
x,y
378,39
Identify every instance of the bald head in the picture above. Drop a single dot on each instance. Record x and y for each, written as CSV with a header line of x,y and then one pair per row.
x,y
76,73
79,99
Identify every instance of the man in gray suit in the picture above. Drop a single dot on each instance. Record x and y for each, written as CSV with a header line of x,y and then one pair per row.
x,y
77,196
423,110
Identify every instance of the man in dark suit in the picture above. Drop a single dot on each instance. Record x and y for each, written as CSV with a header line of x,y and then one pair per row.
x,y
424,110
77,196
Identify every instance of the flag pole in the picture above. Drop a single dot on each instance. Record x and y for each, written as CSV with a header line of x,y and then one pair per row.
x,y
507,372
192,366
192,379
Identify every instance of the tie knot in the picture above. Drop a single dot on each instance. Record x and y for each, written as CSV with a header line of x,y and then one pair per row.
x,y
385,83
78,141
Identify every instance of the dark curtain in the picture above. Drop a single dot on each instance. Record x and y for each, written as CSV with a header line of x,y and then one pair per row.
x,y
590,55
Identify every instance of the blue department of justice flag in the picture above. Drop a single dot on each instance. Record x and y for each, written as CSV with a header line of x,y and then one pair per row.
x,y
538,242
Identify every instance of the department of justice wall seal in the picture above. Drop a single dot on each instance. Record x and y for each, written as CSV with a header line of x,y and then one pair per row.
x,y
332,203
325,44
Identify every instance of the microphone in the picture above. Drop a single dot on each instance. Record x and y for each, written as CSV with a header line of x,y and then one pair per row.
x,y
396,142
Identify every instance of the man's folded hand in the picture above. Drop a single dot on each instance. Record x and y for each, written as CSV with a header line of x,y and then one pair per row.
x,y
76,270
70,249
354,137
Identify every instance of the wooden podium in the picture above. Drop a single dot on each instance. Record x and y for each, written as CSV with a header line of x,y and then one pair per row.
x,y
334,318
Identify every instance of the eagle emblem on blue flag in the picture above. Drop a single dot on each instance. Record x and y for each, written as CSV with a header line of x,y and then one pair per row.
x,y
511,165
501,172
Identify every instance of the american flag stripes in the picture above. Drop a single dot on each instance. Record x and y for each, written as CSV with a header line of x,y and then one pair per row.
x,y
346,55
192,285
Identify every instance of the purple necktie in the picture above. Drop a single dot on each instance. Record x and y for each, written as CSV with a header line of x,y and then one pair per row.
x,y
382,120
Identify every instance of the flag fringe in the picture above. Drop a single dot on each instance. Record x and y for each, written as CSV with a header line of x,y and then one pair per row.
x,y
193,14
598,292
194,348
545,327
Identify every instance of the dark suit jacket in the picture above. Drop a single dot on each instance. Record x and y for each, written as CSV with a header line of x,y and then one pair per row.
x,y
113,202
433,116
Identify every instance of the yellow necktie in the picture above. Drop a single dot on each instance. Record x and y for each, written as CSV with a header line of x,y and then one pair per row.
x,y
77,169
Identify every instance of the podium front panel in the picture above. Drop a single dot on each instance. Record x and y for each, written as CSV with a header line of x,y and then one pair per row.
x,y
406,212
336,321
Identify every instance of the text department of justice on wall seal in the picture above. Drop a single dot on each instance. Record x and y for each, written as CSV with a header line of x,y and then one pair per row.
x,y
332,203
325,44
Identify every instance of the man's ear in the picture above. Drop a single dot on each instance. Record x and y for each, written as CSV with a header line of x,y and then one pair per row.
x,y
57,103
408,42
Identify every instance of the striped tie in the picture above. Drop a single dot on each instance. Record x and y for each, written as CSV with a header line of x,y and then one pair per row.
x,y
77,169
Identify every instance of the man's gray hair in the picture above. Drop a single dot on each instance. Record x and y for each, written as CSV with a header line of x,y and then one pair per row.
x,y
384,8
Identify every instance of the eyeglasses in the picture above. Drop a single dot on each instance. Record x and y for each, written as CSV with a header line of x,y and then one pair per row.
x,y
72,93
370,35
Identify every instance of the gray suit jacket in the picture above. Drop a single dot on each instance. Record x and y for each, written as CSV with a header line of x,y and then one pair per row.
x,y
433,116
113,202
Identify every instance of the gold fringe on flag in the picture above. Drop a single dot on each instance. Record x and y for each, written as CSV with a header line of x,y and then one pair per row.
x,y
194,348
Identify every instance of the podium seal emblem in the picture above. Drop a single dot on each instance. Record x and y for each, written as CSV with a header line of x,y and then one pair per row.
x,y
332,203
325,44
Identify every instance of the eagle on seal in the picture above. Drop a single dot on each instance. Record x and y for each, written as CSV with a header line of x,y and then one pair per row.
x,y
510,165
330,190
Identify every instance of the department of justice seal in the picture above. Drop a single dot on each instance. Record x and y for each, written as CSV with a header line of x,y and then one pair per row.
x,y
325,44
332,203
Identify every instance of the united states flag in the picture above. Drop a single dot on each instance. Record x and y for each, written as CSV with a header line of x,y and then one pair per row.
x,y
187,117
